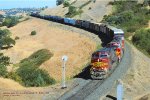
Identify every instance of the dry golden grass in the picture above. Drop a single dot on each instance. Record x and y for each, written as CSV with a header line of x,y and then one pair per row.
x,y
88,14
9,84
136,82
60,42
59,11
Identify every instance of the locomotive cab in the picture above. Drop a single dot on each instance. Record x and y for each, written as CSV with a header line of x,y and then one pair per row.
x,y
100,65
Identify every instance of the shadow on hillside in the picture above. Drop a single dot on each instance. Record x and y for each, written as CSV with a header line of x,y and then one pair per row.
x,y
3,48
85,74
111,97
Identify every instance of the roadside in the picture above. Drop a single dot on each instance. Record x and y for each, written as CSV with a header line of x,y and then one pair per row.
x,y
136,81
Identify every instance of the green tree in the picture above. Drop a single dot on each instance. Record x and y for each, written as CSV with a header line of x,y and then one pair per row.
x,y
7,41
4,33
31,76
141,39
59,2
14,21
29,70
66,4
3,70
10,21
14,76
72,9
33,33
4,61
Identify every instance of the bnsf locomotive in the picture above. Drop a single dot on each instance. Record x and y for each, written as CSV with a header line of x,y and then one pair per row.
x,y
102,60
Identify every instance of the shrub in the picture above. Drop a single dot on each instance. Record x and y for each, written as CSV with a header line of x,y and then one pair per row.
x,y
38,57
66,4
7,41
59,2
4,61
3,70
128,15
111,3
33,33
73,11
10,21
31,76
29,72
14,76
142,39
17,38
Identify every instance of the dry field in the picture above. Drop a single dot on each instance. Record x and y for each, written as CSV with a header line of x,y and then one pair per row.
x,y
96,13
60,42
136,81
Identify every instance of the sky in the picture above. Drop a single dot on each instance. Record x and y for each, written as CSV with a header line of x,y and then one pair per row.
x,y
7,4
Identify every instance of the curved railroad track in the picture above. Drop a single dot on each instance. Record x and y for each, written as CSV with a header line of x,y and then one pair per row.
x,y
94,89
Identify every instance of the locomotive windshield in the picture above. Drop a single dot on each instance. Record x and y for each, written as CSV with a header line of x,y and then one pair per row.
x,y
103,56
97,55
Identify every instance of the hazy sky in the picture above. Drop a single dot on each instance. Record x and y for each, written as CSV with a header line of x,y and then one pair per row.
x,y
4,4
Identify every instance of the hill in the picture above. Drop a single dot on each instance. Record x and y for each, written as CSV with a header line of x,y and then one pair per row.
x,y
90,10
60,42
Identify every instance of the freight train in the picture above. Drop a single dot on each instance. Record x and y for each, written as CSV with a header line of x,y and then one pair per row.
x,y
102,60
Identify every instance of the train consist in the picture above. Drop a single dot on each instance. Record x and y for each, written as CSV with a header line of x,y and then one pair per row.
x,y
102,60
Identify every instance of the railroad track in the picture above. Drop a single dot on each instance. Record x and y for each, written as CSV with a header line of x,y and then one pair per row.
x,y
87,89
94,89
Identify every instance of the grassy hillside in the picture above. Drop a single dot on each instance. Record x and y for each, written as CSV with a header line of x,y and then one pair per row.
x,y
84,9
58,41
132,18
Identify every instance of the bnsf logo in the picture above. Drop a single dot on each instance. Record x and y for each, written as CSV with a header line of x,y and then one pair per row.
x,y
99,64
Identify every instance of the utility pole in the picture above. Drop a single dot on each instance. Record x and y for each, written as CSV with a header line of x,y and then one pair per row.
x,y
64,59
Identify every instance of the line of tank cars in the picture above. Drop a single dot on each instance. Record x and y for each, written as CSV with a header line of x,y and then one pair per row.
x,y
102,60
